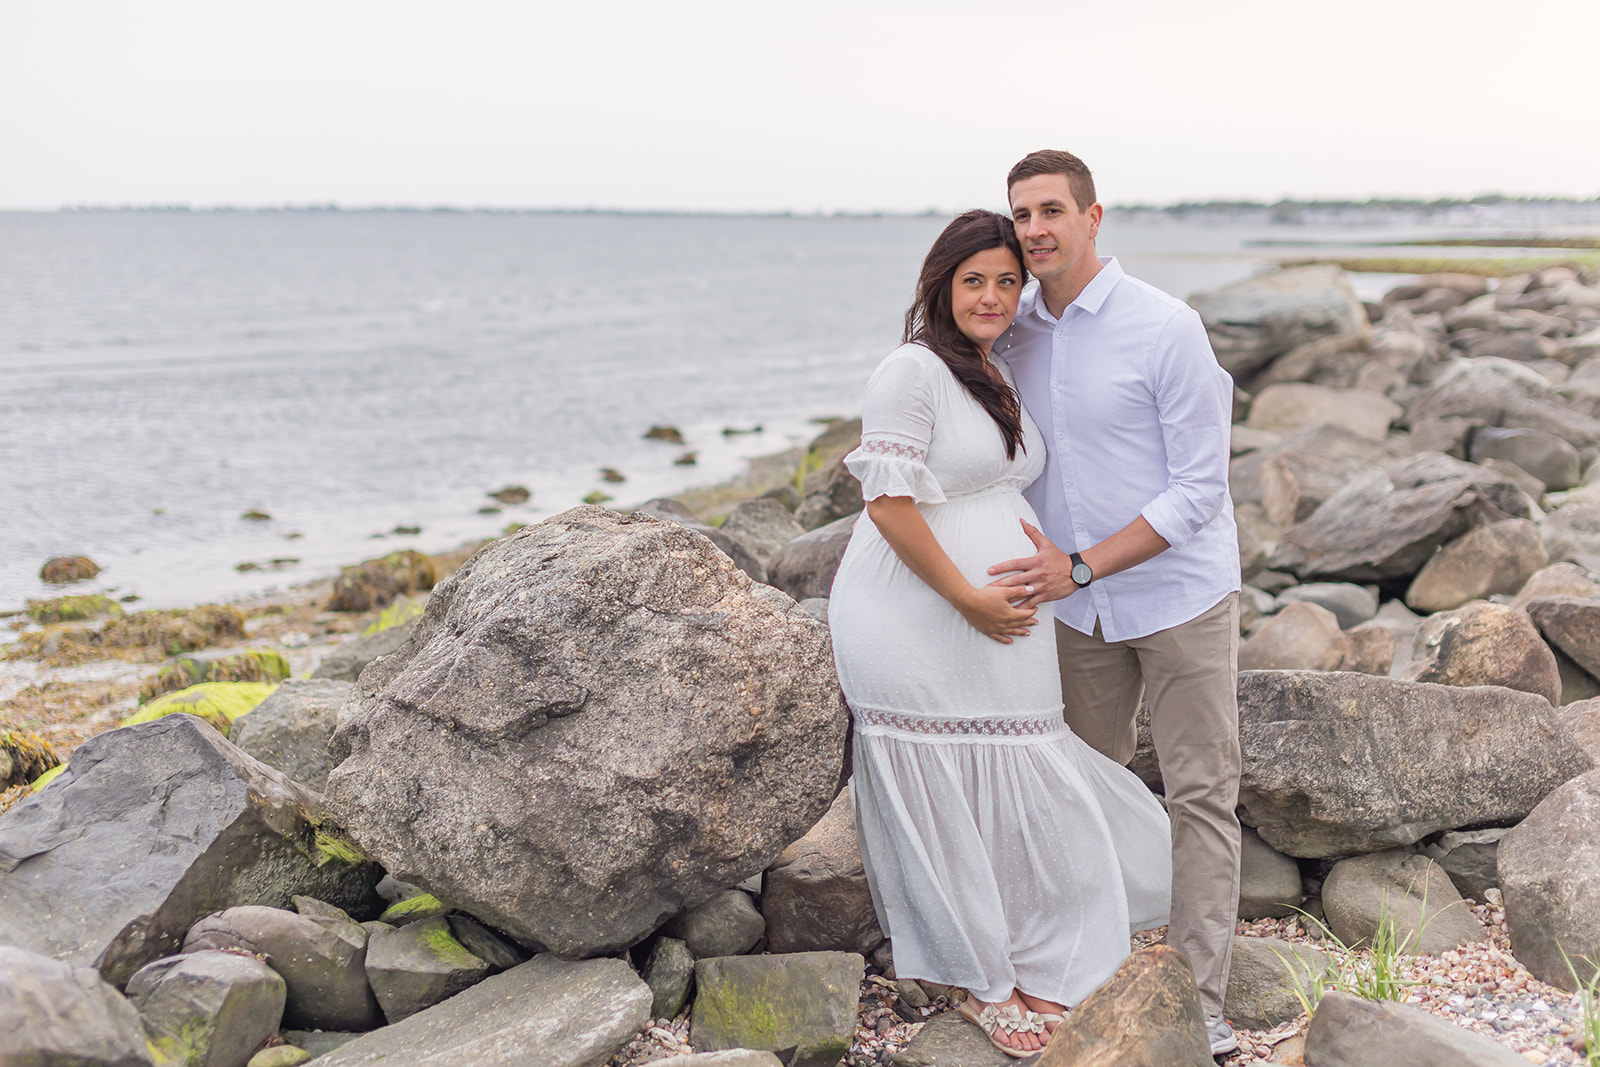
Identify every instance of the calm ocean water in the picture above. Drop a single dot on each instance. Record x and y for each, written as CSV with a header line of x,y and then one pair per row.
x,y
161,373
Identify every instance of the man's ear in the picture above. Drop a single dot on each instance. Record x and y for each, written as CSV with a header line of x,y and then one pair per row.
x,y
1096,213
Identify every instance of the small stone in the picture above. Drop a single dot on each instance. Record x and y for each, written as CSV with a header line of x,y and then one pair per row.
x,y
669,972
418,965
280,1056
726,925
208,1007
512,494
63,570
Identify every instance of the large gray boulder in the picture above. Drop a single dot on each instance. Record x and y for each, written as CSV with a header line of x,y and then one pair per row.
x,y
1386,525
816,895
290,729
543,1012
1410,892
805,1001
1265,975
151,827
54,1013
322,960
1484,644
804,568
595,702
1347,1031
1497,558
1254,321
209,1009
1550,876
1343,763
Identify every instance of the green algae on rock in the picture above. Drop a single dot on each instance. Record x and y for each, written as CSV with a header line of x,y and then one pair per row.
x,y
401,611
217,703
412,909
376,583
250,665
72,608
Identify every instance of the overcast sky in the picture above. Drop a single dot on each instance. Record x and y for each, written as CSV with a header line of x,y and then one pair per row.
x,y
821,104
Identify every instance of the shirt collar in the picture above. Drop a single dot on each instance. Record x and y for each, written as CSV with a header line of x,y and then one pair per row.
x,y
1094,294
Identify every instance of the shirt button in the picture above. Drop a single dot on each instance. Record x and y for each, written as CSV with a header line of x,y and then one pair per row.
x,y
1068,482
1078,527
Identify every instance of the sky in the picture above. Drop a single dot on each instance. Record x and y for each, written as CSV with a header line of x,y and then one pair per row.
x,y
822,105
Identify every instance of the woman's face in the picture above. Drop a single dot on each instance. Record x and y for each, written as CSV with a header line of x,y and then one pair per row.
x,y
984,294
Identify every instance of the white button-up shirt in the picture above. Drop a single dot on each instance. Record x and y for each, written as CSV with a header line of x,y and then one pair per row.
x,y
1135,412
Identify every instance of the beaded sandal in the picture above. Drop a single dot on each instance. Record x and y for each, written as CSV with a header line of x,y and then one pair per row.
x,y
1009,1018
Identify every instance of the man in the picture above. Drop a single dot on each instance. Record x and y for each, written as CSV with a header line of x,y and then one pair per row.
x,y
1135,411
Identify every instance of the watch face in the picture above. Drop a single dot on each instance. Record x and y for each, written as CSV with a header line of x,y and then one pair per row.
x,y
1082,574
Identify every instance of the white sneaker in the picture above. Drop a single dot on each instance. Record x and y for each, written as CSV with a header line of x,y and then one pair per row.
x,y
1221,1036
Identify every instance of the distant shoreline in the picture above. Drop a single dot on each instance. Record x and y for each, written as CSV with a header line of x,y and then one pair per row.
x,y
1185,208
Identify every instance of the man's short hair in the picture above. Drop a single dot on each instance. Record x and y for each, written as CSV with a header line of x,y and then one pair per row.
x,y
1055,161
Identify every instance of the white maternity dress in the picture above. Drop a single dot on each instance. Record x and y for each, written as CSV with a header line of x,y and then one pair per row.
x,y
1002,851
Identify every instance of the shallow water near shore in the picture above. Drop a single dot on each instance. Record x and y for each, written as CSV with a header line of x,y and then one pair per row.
x,y
347,373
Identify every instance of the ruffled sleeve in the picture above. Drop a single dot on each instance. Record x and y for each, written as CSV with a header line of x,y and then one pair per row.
x,y
896,427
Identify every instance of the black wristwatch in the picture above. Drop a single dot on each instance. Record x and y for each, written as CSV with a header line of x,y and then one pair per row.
x,y
1082,573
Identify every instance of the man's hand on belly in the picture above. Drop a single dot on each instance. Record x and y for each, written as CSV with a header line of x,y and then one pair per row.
x,y
1045,575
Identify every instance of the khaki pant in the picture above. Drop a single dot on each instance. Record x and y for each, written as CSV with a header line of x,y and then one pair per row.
x,y
1191,674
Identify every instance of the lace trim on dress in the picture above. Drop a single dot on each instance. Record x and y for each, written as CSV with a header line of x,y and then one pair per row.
x,y
881,447
1011,726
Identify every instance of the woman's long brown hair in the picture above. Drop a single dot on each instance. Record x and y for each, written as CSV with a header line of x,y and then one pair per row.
x,y
930,320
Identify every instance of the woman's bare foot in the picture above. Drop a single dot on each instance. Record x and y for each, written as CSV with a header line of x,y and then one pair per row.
x,y
1021,1040
1043,1007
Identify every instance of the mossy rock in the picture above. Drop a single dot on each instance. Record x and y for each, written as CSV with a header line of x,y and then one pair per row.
x,y
72,608
280,1056
597,497
249,665
174,632
218,703
422,906
47,777
24,757
841,436
403,610
377,583
63,570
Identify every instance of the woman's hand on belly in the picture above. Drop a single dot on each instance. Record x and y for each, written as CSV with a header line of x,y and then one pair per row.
x,y
989,609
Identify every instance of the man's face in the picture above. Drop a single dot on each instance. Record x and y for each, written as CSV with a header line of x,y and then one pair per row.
x,y
1056,236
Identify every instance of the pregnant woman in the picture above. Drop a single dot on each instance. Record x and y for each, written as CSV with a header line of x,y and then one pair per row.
x,y
1004,854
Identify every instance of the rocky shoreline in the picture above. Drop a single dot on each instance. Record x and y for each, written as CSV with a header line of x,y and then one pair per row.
x,y
435,804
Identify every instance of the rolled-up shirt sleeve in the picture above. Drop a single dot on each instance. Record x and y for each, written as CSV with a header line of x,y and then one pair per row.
x,y
1194,402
